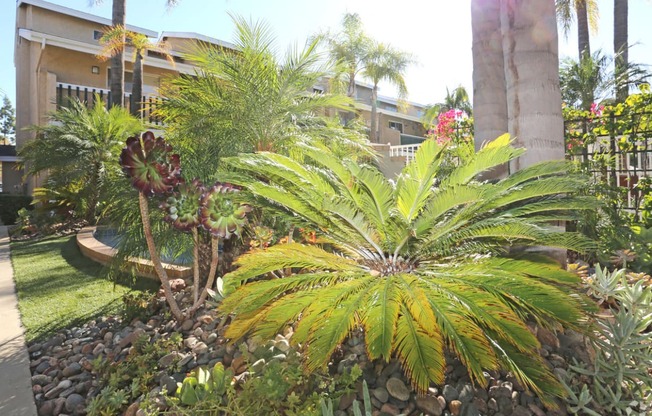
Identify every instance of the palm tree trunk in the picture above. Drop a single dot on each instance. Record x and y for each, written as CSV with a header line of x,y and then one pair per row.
x,y
532,80
489,93
156,260
373,135
119,17
621,48
137,89
583,42
351,88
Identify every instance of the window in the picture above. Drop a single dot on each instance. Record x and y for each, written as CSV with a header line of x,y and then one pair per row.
x,y
97,34
317,90
396,126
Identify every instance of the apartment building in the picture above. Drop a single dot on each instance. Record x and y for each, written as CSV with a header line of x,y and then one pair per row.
x,y
55,55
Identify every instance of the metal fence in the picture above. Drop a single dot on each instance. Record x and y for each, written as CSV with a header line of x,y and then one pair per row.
x,y
88,95
617,150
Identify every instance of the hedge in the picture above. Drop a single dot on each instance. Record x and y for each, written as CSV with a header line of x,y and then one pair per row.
x,y
9,206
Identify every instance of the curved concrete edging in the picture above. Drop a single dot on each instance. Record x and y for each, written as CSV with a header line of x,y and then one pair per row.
x,y
103,254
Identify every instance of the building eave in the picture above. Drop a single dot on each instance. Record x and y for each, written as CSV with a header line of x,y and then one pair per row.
x,y
92,49
395,114
82,15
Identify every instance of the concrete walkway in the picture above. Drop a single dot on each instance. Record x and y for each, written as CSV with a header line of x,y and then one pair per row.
x,y
16,397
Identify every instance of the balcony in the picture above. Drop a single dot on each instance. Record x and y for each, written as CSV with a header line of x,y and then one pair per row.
x,y
87,95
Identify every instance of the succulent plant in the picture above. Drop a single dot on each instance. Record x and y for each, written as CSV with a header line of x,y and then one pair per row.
x,y
182,207
150,165
219,214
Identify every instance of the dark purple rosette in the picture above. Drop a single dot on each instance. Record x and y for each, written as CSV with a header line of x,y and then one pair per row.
x,y
148,162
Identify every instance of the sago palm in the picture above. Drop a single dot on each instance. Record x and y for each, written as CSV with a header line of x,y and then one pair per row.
x,y
421,263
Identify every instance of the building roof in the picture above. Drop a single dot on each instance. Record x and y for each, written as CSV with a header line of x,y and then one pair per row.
x,y
82,15
199,37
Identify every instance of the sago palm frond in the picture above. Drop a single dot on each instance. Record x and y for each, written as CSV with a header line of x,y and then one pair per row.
x,y
420,264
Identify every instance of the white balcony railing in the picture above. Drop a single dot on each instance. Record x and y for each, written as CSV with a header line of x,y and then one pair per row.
x,y
405,150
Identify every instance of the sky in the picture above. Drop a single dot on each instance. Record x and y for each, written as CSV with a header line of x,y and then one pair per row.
x,y
437,33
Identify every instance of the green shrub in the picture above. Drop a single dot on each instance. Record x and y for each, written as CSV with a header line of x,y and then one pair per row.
x,y
10,205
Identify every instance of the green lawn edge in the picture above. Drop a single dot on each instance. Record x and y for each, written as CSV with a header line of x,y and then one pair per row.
x,y
59,288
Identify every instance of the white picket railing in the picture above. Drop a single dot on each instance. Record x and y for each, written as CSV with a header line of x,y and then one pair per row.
x,y
404,150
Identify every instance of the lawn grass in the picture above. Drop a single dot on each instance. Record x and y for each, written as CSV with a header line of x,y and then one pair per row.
x,y
58,287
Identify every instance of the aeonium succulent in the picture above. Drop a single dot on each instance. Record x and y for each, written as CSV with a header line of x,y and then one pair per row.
x,y
148,162
182,207
219,214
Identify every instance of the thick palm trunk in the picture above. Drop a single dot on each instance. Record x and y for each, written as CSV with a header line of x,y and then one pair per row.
x,y
119,17
530,46
621,48
156,260
137,89
583,42
489,95
373,135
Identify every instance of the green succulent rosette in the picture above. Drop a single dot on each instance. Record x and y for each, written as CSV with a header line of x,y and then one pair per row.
x,y
148,162
182,207
219,214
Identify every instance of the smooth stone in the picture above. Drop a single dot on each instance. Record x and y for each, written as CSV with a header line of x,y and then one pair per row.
x,y
381,394
72,369
169,359
73,401
429,405
168,383
455,407
397,389
41,379
450,393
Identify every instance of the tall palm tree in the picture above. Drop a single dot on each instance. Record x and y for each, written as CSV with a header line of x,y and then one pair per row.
x,y
489,90
350,48
457,100
115,40
419,262
119,18
587,14
384,63
621,48
79,147
593,79
532,80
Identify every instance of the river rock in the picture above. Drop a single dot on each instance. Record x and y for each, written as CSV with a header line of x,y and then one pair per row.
x,y
397,389
429,405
